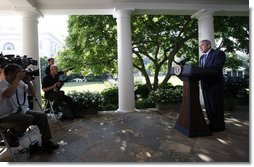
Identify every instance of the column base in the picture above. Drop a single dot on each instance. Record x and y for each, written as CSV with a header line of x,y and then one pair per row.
x,y
125,111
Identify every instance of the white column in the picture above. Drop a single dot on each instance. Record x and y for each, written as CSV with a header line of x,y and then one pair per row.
x,y
125,67
31,48
205,31
205,26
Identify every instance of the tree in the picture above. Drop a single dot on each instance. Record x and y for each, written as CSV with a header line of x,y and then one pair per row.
x,y
91,46
160,39
233,62
43,65
230,35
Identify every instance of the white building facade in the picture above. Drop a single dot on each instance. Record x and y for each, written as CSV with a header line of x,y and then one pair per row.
x,y
11,42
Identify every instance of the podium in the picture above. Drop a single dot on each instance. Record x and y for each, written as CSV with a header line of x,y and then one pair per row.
x,y
191,120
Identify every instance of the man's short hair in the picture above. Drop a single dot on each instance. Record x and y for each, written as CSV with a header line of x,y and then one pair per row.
x,y
11,68
49,59
206,41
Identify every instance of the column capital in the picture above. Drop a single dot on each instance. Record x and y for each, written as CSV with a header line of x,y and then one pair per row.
x,y
203,13
120,13
29,12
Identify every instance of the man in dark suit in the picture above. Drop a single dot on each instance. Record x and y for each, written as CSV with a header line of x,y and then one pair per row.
x,y
213,86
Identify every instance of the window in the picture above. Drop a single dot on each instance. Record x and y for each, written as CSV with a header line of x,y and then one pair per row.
x,y
228,73
234,73
240,74
8,46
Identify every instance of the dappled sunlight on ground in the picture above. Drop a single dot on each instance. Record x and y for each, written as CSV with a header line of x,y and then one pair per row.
x,y
223,141
144,136
205,158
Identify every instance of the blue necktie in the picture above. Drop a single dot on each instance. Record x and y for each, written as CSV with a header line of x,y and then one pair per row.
x,y
204,60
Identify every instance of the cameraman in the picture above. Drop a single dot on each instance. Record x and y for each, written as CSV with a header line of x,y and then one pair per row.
x,y
51,85
51,61
14,112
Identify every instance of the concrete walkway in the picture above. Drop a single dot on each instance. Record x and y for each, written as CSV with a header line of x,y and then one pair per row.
x,y
145,136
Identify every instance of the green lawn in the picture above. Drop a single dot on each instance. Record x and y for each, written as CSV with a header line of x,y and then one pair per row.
x,y
84,86
99,86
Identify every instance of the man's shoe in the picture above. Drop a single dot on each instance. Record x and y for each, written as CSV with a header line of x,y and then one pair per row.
x,y
216,129
1,141
47,111
11,139
50,145
62,118
46,149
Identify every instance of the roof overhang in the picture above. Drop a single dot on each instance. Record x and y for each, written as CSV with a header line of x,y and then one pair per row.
x,y
107,7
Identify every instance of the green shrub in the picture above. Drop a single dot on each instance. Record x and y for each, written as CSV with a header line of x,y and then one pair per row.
x,y
167,86
143,103
109,107
141,91
236,85
110,98
86,101
165,96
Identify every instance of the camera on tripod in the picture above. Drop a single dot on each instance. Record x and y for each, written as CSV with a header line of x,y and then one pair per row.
x,y
24,62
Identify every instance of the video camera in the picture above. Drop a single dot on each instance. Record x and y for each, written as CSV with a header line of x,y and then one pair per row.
x,y
24,62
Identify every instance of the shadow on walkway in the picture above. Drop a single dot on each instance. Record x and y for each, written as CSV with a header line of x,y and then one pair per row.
x,y
144,136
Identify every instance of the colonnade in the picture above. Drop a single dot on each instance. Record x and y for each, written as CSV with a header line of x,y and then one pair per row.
x,y
124,48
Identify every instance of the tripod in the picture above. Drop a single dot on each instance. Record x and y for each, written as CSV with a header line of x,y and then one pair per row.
x,y
31,100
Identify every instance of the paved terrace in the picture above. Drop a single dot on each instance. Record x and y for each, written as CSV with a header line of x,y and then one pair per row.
x,y
145,136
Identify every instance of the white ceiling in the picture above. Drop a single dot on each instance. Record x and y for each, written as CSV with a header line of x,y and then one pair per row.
x,y
101,7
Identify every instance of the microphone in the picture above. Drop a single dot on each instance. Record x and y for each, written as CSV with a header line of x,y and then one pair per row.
x,y
183,61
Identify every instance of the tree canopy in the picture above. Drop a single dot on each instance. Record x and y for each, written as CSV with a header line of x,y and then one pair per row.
x,y
91,46
157,40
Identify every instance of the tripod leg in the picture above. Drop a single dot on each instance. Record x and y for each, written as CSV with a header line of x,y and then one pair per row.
x,y
35,99
38,104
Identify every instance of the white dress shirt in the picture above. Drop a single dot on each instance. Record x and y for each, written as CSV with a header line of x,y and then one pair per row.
x,y
11,105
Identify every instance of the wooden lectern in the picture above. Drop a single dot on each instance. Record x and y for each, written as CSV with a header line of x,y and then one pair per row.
x,y
191,120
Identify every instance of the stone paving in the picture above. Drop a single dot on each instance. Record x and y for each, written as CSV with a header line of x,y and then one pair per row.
x,y
144,136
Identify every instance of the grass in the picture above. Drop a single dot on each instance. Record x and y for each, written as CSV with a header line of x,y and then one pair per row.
x,y
84,86
100,86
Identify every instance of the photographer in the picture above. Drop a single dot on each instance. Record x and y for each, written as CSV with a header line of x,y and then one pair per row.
x,y
51,61
15,114
51,85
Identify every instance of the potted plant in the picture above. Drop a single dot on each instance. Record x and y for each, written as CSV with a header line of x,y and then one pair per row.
x,y
166,98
